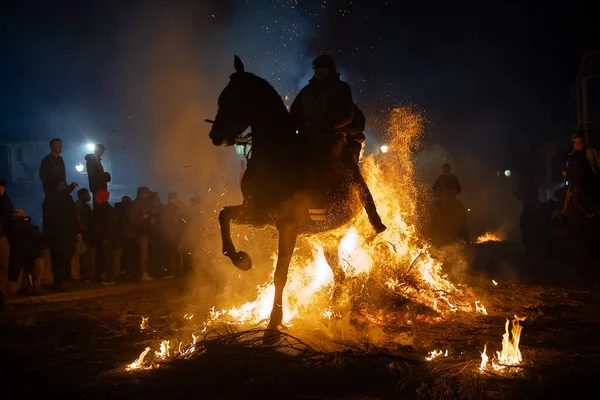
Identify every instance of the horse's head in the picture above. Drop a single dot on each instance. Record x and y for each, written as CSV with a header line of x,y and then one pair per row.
x,y
235,107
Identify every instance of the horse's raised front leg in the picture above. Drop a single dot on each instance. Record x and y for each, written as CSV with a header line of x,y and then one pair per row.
x,y
287,241
332,258
238,214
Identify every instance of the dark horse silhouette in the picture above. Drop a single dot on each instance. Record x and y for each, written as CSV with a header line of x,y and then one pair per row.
x,y
275,189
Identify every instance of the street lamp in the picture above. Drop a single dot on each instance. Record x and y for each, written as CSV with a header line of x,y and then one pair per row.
x,y
384,148
507,173
90,146
79,167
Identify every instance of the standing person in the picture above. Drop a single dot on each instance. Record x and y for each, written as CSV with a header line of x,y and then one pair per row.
x,y
124,251
52,170
85,218
139,217
62,229
450,212
106,229
98,179
156,250
172,225
26,244
6,211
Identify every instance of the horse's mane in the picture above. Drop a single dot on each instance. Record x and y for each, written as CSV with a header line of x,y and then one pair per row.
x,y
272,98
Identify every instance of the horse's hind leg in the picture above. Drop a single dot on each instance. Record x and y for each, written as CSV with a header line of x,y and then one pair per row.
x,y
237,214
332,258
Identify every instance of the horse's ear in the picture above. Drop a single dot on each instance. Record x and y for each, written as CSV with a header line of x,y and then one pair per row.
x,y
237,63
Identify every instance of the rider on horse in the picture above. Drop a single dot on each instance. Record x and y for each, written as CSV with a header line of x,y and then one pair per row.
x,y
325,112
451,214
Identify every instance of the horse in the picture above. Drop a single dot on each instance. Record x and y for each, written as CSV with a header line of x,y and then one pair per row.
x,y
274,186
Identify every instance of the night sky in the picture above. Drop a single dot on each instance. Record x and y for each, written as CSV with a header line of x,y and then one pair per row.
x,y
484,74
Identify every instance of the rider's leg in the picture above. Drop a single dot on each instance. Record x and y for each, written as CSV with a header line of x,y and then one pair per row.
x,y
350,159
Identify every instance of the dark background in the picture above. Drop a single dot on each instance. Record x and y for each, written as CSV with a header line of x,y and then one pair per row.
x,y
492,78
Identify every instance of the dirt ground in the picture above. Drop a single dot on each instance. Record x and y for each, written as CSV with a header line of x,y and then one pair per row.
x,y
79,349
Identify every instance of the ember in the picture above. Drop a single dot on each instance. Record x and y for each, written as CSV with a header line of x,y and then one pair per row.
x,y
144,324
435,354
480,308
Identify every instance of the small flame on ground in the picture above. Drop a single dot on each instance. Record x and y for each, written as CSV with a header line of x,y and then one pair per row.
x,y
494,282
435,354
480,308
144,324
484,359
510,354
488,237
186,316
138,363
164,351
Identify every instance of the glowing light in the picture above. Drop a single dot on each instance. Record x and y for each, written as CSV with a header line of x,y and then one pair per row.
x,y
488,237
384,148
79,167
494,282
90,146
507,173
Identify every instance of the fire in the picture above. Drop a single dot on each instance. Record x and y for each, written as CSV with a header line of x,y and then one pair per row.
x,y
137,364
144,324
494,282
164,351
397,259
435,354
186,316
480,308
484,359
510,354
488,237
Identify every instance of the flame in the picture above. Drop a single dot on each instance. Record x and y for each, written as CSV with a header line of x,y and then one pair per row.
x,y
164,351
510,354
435,354
480,308
494,282
397,259
489,237
484,359
186,316
144,324
138,363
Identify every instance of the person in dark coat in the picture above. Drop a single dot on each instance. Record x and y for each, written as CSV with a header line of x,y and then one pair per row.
x,y
320,112
139,218
85,218
26,245
6,211
446,184
125,246
62,230
172,226
106,229
52,170
98,179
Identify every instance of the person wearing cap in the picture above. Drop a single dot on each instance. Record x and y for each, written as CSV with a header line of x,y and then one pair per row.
x,y
98,179
320,112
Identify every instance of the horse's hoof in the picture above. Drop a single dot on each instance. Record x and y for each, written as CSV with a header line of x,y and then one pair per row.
x,y
242,261
272,336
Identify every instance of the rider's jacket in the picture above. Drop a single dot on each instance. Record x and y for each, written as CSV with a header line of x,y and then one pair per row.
x,y
580,174
323,107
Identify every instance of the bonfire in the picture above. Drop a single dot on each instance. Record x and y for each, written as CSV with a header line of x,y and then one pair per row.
x,y
397,263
